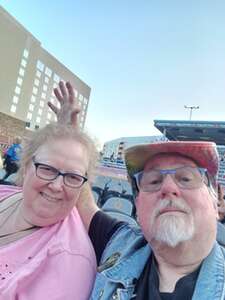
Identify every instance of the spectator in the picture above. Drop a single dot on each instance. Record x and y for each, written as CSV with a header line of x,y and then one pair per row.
x,y
44,248
12,157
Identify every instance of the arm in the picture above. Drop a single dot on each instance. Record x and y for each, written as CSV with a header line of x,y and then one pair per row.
x,y
68,114
86,205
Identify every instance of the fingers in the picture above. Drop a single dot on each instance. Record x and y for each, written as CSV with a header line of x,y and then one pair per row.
x,y
64,91
58,95
60,92
62,88
53,107
70,92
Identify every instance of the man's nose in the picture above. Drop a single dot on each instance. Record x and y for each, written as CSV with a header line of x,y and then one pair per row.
x,y
169,187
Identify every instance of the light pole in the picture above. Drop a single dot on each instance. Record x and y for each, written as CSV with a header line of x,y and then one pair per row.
x,y
191,109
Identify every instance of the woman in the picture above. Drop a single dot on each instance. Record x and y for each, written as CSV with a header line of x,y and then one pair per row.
x,y
45,252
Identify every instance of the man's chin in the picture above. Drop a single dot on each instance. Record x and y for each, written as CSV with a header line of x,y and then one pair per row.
x,y
173,232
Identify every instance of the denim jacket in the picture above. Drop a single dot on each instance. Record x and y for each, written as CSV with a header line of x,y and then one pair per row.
x,y
125,257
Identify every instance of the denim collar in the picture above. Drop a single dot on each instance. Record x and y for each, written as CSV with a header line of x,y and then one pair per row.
x,y
211,279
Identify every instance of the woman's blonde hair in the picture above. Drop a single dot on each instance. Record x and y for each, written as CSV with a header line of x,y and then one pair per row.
x,y
50,133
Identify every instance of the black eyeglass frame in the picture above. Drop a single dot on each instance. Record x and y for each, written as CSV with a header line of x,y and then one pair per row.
x,y
58,173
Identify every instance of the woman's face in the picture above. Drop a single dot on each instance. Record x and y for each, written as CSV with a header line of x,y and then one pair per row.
x,y
47,202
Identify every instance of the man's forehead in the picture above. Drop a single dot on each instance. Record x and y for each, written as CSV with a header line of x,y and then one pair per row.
x,y
162,160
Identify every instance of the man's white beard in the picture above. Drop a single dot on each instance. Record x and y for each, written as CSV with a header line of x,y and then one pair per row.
x,y
174,229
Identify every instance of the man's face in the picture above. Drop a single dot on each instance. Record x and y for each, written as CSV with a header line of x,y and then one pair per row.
x,y
172,214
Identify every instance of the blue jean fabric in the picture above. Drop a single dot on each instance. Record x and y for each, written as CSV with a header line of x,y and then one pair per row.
x,y
125,257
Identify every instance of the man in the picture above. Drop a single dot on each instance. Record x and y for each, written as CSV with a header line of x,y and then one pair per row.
x,y
174,253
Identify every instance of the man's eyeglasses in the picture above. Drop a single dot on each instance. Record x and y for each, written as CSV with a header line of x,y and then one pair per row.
x,y
185,177
49,173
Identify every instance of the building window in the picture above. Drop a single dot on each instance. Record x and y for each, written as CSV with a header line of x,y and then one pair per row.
x,y
38,73
45,87
21,72
19,81
31,107
43,95
40,111
33,99
17,90
23,63
46,79
26,53
13,108
40,66
36,82
29,116
42,103
81,97
56,78
49,116
38,119
48,72
35,90
15,99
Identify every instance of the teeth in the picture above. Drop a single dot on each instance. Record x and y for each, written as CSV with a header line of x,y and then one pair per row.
x,y
49,198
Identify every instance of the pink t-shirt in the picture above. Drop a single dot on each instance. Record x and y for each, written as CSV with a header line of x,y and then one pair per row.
x,y
53,263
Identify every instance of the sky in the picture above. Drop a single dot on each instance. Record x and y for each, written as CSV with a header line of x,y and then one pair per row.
x,y
144,60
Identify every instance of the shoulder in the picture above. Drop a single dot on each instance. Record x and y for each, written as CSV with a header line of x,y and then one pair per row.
x,y
73,236
126,239
8,190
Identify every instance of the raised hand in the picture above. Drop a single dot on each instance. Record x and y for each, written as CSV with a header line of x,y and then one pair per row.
x,y
69,108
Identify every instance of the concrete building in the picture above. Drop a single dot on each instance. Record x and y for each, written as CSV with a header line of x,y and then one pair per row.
x,y
28,75
115,149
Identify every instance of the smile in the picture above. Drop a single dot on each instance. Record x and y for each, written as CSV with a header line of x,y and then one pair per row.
x,y
50,198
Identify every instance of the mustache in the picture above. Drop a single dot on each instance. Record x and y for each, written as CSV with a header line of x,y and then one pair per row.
x,y
177,203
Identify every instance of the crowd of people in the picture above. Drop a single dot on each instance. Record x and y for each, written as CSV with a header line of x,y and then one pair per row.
x,y
55,242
